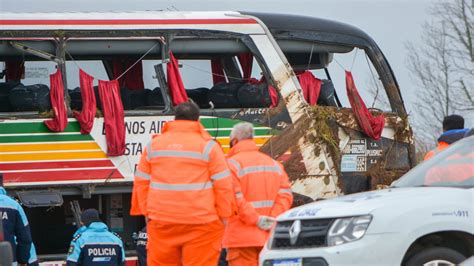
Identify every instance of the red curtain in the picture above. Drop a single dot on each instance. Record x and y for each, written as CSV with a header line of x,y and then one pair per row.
x,y
175,83
372,126
217,71
86,117
56,94
273,96
133,79
14,70
246,60
114,123
311,86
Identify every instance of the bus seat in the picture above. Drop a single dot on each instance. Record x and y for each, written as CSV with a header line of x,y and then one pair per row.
x,y
224,95
30,98
5,88
155,98
200,96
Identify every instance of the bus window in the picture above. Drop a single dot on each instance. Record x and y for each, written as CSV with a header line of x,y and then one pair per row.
x,y
365,76
328,64
197,80
117,59
232,89
94,68
28,89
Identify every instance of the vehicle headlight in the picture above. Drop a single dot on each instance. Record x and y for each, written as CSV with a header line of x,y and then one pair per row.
x,y
345,230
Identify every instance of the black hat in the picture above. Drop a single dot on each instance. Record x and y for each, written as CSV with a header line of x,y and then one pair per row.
x,y
89,216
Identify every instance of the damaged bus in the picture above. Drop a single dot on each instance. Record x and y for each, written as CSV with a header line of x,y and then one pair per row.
x,y
285,74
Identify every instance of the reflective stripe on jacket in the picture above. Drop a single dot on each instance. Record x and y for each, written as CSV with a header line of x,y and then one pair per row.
x,y
182,177
261,188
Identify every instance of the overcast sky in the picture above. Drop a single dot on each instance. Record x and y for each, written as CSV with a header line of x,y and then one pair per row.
x,y
391,23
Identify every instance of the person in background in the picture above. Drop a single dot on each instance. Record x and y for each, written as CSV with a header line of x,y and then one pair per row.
x,y
453,130
469,133
262,192
141,241
15,227
96,245
33,261
183,187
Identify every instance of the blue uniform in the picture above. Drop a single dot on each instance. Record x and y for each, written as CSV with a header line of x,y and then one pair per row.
x,y
79,231
15,224
33,261
141,246
96,245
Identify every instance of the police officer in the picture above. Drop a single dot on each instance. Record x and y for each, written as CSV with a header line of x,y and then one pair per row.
x,y
15,226
142,240
96,245
33,261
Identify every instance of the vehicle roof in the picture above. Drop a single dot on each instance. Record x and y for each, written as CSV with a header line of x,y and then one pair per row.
x,y
286,22
275,22
137,20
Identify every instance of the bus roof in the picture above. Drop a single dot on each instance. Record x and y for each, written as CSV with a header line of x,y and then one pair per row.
x,y
224,20
281,23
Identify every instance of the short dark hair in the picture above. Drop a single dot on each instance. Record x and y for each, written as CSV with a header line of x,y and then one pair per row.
x,y
187,111
453,122
90,216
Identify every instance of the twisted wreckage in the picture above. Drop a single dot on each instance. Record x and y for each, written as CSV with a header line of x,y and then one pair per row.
x,y
272,70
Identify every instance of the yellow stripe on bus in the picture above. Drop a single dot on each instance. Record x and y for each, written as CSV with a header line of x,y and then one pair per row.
x,y
51,156
258,140
49,147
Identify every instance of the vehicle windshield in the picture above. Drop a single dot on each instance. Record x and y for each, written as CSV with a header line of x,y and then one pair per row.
x,y
454,167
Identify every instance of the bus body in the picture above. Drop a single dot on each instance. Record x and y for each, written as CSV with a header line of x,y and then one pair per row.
x,y
323,149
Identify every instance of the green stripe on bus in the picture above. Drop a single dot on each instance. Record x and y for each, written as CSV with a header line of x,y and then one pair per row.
x,y
218,122
226,132
33,127
44,138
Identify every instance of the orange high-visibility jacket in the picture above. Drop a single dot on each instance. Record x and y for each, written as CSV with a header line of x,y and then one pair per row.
x,y
182,177
441,146
456,168
261,188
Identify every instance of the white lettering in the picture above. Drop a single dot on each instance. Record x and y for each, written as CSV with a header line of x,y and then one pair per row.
x,y
4,215
258,111
102,252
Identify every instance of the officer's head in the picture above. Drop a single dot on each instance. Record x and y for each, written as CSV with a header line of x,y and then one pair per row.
x,y
453,122
187,111
90,216
241,131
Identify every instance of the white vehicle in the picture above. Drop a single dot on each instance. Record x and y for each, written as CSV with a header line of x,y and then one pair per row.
x,y
425,218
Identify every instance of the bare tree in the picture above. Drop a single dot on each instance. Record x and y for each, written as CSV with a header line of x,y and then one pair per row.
x,y
377,92
442,67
